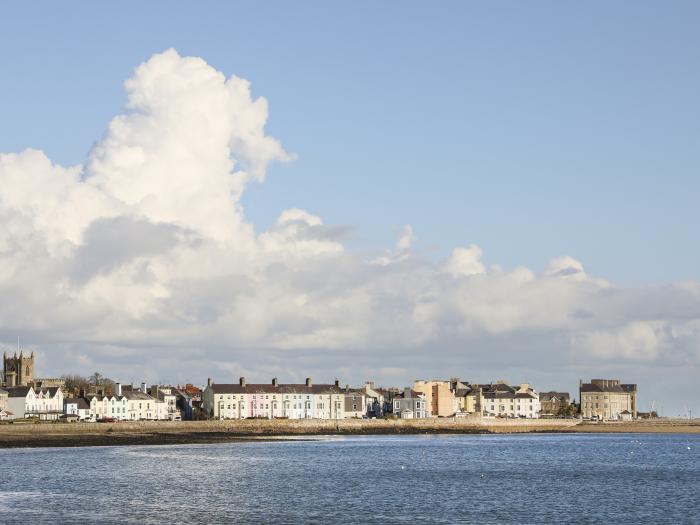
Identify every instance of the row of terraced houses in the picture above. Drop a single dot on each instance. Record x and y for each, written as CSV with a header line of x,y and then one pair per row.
x,y
24,397
603,399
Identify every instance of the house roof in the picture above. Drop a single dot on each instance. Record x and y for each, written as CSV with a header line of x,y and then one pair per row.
x,y
235,388
596,387
549,396
18,391
521,395
82,403
136,395
413,394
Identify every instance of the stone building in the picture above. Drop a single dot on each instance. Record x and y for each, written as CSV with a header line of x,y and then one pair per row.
x,y
607,399
18,370
554,403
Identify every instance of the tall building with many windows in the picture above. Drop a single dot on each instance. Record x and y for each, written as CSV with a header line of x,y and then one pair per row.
x,y
608,399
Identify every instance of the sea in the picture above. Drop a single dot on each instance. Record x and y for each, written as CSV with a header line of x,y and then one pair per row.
x,y
481,479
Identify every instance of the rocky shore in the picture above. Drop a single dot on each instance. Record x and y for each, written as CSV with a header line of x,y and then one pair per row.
x,y
170,433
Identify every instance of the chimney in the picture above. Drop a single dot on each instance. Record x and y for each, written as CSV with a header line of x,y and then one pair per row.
x,y
337,383
275,383
241,381
208,382
82,392
308,382
143,388
154,390
118,389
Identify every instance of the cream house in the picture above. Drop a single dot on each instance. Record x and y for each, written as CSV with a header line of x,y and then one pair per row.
x,y
502,400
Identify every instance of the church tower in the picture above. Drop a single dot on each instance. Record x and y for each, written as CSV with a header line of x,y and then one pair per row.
x,y
18,370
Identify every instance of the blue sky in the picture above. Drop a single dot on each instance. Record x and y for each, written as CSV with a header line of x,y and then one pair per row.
x,y
533,130
556,136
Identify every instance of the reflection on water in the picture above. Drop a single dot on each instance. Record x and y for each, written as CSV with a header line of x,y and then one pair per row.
x,y
384,479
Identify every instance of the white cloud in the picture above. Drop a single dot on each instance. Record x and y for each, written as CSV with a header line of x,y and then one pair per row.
x,y
465,261
145,249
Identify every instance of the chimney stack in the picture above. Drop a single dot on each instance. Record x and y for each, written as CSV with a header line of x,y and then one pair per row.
x,y
208,382
143,388
308,382
275,383
337,383
242,381
118,389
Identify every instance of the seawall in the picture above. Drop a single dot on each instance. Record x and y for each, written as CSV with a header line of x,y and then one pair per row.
x,y
165,432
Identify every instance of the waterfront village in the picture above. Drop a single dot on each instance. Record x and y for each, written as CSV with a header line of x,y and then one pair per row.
x,y
23,397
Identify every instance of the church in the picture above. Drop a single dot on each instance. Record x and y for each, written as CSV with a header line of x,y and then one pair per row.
x,y
18,370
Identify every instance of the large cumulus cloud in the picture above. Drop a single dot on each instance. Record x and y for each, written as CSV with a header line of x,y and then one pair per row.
x,y
143,255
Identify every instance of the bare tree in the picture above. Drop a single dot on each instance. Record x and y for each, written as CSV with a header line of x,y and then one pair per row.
x,y
96,379
74,383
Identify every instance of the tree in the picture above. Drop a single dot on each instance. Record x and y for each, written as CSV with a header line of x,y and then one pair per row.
x,y
96,379
74,383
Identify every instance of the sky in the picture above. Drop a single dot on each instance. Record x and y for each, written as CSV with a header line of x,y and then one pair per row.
x,y
370,191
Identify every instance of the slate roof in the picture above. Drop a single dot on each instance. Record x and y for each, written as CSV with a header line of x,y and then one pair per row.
x,y
136,394
610,387
80,401
549,396
503,391
413,393
21,391
236,388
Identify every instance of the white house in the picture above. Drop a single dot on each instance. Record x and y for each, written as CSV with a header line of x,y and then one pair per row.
x,y
77,406
42,403
166,403
274,400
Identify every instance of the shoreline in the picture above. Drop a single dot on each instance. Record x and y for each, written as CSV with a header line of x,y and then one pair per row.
x,y
212,432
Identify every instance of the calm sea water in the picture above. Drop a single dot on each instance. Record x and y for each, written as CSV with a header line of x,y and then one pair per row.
x,y
388,479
